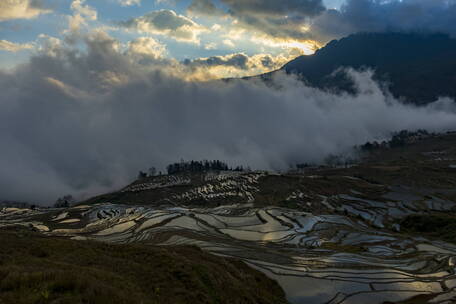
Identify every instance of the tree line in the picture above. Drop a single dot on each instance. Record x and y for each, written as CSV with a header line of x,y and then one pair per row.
x,y
200,166
398,139
192,166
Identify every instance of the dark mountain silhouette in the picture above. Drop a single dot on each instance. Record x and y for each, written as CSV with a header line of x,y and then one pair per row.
x,y
417,67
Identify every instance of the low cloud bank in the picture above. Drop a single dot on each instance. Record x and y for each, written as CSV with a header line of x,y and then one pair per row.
x,y
84,123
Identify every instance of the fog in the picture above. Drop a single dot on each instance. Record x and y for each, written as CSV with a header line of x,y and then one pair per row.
x,y
85,122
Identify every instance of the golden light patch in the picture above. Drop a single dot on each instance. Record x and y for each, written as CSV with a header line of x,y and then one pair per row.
x,y
305,47
66,89
308,47
9,46
19,9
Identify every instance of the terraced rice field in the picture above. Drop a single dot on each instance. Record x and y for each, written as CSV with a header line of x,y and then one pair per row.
x,y
353,252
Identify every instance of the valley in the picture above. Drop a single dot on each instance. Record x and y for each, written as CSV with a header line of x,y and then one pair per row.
x,y
347,234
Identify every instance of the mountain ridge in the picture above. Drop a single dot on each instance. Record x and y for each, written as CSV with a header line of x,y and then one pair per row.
x,y
417,68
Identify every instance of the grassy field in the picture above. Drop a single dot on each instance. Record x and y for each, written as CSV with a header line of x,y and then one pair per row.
x,y
39,269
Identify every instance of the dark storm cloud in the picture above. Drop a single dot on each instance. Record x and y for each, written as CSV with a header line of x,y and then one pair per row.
x,y
261,7
281,19
432,15
83,123
205,7
286,19
379,16
275,8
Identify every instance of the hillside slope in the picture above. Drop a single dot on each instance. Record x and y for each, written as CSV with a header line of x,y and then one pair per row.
x,y
39,269
373,232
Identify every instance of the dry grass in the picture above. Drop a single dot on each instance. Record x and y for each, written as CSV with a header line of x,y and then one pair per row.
x,y
39,269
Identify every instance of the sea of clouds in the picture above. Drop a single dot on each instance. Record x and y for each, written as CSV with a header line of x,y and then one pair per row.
x,y
84,122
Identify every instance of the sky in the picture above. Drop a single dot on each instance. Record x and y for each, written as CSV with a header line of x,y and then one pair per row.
x,y
226,38
182,30
92,91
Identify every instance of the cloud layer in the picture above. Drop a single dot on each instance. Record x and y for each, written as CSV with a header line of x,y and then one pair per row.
x,y
21,9
86,122
166,22
235,65
9,46
309,19
393,15
278,19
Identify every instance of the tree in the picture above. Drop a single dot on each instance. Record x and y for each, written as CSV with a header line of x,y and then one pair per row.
x,y
333,160
152,171
64,202
142,175
200,166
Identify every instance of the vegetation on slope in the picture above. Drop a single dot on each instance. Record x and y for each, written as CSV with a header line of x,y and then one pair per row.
x,y
39,269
